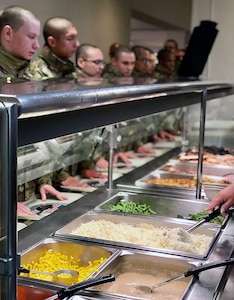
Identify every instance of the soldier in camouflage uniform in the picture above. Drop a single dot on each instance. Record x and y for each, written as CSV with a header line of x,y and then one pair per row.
x,y
165,69
112,50
60,44
143,59
16,49
122,63
89,61
53,62
19,32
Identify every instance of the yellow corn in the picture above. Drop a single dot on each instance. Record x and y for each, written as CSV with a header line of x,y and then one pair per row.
x,y
53,261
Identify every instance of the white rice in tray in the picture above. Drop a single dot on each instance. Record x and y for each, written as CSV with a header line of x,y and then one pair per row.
x,y
145,235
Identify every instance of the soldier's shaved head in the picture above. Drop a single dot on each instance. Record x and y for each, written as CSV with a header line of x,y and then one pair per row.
x,y
55,26
15,17
83,50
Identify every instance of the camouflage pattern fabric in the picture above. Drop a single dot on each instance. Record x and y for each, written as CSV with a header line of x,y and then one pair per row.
x,y
80,73
169,120
31,188
161,72
136,73
48,65
11,66
111,72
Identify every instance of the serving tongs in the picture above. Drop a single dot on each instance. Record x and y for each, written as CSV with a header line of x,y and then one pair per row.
x,y
190,272
207,218
71,290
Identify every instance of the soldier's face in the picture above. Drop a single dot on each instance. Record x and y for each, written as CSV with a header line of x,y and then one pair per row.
x,y
142,63
66,44
169,62
152,64
93,64
125,63
24,42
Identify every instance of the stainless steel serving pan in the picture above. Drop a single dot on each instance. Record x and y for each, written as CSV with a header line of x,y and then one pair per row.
x,y
141,182
163,206
131,268
66,231
82,252
167,175
191,168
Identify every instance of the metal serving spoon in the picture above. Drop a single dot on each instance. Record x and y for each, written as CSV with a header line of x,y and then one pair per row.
x,y
190,272
73,274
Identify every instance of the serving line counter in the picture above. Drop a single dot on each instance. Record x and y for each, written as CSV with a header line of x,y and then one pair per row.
x,y
53,109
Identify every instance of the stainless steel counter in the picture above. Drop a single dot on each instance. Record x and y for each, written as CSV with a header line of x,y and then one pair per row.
x,y
56,108
212,284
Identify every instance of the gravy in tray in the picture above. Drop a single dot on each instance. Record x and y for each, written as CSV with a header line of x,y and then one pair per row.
x,y
128,284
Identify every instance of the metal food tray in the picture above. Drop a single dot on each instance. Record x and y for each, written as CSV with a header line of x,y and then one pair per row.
x,y
211,230
194,162
158,174
142,267
82,252
163,206
191,168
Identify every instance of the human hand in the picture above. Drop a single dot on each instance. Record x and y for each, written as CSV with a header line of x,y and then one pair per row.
x,y
49,189
166,135
157,139
224,199
102,163
144,149
71,181
124,156
23,210
91,174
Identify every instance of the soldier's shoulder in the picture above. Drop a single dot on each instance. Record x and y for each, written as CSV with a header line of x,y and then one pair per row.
x,y
38,70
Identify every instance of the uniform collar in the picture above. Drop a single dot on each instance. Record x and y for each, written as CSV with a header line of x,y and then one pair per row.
x,y
55,63
11,65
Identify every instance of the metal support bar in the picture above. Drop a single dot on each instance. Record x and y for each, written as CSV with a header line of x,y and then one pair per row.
x,y
112,141
201,143
8,200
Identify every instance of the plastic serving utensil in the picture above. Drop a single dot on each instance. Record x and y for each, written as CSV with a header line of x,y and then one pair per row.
x,y
71,290
207,218
190,272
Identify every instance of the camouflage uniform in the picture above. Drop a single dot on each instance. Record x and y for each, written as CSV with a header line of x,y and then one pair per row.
x,y
161,73
80,73
48,65
137,73
111,72
107,68
11,66
169,120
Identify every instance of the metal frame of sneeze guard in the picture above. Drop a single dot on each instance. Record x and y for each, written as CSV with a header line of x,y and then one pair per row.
x,y
31,117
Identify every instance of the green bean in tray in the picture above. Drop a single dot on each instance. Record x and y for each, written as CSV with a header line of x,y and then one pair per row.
x,y
134,208
200,215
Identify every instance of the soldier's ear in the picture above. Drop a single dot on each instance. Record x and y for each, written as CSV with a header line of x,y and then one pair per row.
x,y
80,62
51,41
7,33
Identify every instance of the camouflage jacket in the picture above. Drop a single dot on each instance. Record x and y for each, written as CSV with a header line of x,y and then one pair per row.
x,y
161,72
11,66
136,73
80,73
30,189
48,65
111,72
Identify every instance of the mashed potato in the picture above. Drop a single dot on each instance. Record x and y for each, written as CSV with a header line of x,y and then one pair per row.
x,y
146,235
